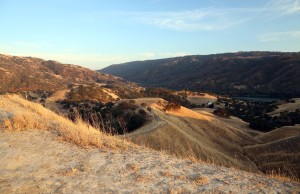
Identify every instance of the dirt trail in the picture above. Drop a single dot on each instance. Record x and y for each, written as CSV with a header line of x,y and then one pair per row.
x,y
227,141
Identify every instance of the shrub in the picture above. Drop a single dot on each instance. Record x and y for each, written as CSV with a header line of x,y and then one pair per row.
x,y
142,112
125,105
221,112
135,121
66,106
211,105
116,112
168,95
172,106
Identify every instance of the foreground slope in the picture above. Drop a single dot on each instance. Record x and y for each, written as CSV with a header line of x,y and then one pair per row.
x,y
42,158
251,73
37,162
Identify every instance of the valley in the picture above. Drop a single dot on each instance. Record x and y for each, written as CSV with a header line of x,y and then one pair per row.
x,y
239,133
235,74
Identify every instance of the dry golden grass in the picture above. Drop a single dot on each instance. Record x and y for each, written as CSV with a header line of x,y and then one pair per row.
x,y
28,115
59,95
286,106
181,177
280,133
133,167
69,172
176,191
199,180
282,176
197,99
166,173
142,178
197,140
109,92
206,138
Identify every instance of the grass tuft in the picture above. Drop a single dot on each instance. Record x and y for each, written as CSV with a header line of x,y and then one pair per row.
x,y
28,115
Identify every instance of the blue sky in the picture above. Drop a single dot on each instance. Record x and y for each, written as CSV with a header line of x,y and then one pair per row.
x,y
98,33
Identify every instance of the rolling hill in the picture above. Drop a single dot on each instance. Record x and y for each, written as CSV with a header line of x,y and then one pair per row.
x,y
29,74
184,132
225,141
241,73
42,152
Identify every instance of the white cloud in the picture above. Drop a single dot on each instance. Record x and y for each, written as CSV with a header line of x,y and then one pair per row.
x,y
203,19
285,7
208,19
278,36
190,20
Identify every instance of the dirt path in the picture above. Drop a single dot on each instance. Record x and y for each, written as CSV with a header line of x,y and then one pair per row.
x,y
51,101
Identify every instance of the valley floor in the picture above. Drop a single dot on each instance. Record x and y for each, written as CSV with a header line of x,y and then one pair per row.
x,y
38,161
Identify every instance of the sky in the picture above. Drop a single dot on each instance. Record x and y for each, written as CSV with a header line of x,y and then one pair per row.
x,y
98,33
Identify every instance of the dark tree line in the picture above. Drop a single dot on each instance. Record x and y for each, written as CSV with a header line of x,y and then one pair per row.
x,y
256,114
168,95
109,117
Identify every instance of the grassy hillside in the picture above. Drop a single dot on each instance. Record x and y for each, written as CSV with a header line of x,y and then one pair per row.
x,y
42,152
18,114
225,141
242,73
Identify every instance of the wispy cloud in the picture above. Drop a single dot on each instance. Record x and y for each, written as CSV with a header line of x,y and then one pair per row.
x,y
278,36
284,7
210,18
190,20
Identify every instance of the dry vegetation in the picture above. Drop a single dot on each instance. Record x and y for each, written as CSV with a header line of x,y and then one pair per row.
x,y
200,135
186,133
29,74
201,99
182,133
34,160
287,106
28,115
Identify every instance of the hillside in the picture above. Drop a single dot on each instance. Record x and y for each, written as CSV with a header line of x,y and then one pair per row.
x,y
42,152
242,73
184,132
229,142
30,74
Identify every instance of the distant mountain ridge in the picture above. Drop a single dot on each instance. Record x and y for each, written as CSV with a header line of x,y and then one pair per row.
x,y
29,73
241,73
